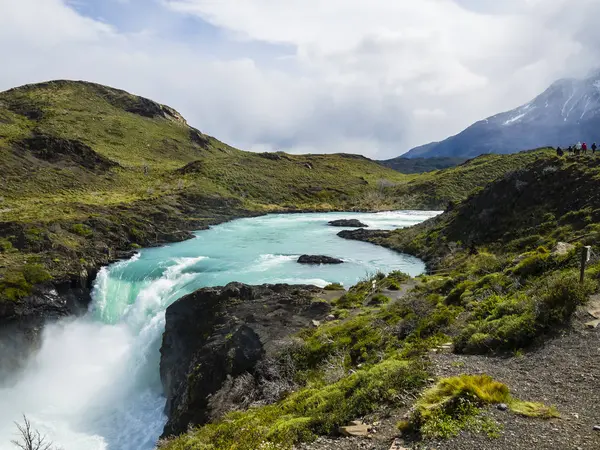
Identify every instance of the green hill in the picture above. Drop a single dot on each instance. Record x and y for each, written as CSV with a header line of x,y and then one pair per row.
x,y
421,165
90,170
436,190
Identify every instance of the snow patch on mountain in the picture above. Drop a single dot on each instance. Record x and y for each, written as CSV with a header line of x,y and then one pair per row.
x,y
568,111
514,119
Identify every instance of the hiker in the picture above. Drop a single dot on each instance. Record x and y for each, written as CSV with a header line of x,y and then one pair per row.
x,y
594,147
570,149
559,152
578,148
584,148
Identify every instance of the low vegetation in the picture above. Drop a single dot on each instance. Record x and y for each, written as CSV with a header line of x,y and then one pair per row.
x,y
456,403
315,410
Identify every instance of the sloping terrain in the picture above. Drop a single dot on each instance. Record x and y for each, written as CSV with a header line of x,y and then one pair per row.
x,y
421,165
567,112
89,171
438,190
489,351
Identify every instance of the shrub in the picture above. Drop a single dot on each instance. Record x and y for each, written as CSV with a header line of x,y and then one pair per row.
x,y
454,404
6,246
533,264
82,230
378,299
513,321
559,295
334,287
393,285
36,273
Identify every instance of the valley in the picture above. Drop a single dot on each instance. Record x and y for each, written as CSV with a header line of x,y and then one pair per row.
x,y
118,221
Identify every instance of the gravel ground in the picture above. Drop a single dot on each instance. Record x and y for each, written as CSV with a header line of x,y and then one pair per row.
x,y
564,372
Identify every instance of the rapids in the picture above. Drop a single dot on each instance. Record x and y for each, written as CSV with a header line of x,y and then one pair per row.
x,y
94,384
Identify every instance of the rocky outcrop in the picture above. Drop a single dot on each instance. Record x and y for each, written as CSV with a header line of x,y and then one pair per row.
x,y
65,151
363,235
22,322
348,223
216,336
319,259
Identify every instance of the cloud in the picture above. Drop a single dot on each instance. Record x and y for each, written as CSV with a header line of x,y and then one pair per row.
x,y
373,77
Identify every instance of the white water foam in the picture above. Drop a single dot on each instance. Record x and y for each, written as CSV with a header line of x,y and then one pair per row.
x,y
95,385
269,261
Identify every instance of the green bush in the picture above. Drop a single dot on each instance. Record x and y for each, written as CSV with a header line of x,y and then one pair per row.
x,y
6,246
36,273
379,299
334,287
559,295
82,230
533,264
511,322
453,404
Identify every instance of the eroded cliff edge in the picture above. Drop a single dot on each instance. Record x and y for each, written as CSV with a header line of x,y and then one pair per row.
x,y
224,348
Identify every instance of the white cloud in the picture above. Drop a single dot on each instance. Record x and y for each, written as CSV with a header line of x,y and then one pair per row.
x,y
368,76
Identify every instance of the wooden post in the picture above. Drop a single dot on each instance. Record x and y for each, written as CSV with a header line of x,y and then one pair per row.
x,y
585,257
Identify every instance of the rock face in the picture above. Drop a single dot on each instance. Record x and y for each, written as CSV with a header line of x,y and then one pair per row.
x,y
218,339
349,223
363,235
22,322
319,259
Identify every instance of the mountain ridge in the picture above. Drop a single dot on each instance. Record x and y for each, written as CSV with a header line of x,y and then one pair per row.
x,y
565,113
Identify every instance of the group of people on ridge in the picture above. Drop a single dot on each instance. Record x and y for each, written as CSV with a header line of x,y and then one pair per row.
x,y
577,149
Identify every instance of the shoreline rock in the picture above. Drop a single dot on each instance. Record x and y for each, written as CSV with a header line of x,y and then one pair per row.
x,y
318,259
349,223
218,339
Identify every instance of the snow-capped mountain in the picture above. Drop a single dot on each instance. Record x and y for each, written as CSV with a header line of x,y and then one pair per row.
x,y
567,112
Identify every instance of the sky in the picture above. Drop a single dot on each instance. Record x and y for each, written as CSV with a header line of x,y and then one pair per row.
x,y
375,77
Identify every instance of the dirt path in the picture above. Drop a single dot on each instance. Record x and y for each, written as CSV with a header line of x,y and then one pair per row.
x,y
564,372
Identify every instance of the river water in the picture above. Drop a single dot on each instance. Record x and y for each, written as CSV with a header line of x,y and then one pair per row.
x,y
95,385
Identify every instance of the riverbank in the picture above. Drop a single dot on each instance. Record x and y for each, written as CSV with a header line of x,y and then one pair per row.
x,y
112,362
503,302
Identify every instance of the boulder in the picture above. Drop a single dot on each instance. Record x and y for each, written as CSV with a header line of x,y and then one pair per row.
x,y
349,223
356,429
221,341
562,248
318,259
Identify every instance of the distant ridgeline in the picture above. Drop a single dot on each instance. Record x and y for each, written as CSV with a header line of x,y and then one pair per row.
x,y
421,165
566,113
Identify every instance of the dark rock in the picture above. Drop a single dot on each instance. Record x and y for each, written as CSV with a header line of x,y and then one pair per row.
x,y
596,427
502,407
363,235
198,138
54,149
217,339
22,321
193,167
350,223
319,259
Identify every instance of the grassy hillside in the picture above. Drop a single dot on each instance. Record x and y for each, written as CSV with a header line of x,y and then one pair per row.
x,y
67,144
421,165
88,170
438,189
517,237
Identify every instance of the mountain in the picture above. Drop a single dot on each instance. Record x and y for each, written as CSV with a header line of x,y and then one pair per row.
x,y
421,165
567,112
88,170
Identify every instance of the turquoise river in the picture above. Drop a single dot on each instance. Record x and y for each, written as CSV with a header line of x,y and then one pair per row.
x,y
94,384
